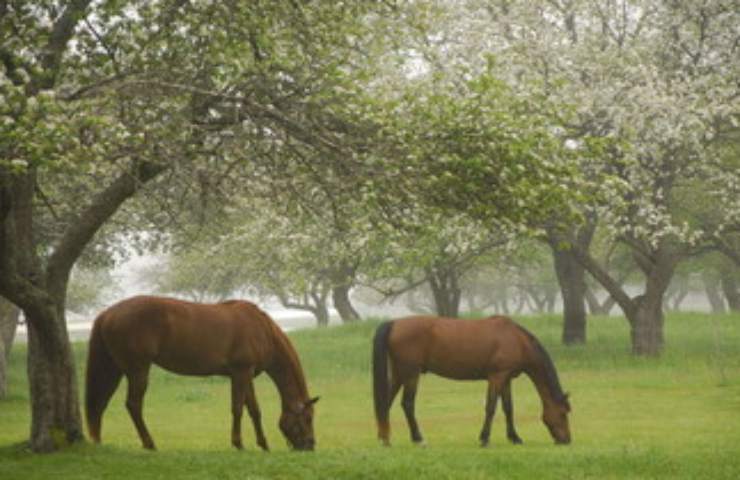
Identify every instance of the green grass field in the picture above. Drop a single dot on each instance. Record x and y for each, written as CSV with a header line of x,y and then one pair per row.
x,y
673,417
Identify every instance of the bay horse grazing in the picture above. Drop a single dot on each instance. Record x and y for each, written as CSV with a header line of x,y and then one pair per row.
x,y
494,349
234,339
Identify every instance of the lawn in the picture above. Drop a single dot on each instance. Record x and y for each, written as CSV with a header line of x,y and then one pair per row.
x,y
677,416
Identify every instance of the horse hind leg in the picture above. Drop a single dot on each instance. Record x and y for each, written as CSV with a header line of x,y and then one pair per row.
x,y
255,414
98,393
242,391
408,402
384,427
509,412
137,385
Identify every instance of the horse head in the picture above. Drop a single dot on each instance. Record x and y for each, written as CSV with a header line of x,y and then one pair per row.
x,y
296,423
555,417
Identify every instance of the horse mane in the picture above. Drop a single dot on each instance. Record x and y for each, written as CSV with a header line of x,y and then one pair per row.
x,y
551,375
283,342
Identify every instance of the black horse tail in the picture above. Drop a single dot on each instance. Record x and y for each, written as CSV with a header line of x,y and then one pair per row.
x,y
102,379
381,387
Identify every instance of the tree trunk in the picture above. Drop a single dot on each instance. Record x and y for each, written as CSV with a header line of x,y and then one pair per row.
x,y
56,420
446,292
731,289
9,314
644,312
571,275
714,295
343,304
594,306
571,278
647,326
674,302
321,312
3,372
342,281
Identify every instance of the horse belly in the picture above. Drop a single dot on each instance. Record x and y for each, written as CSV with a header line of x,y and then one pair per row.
x,y
459,360
186,359
458,368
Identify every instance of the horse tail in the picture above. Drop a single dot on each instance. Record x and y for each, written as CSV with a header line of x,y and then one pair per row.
x,y
102,378
381,387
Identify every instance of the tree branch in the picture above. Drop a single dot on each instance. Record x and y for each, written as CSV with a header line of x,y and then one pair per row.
x,y
92,218
602,276
61,33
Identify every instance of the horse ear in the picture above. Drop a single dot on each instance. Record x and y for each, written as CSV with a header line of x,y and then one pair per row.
x,y
312,401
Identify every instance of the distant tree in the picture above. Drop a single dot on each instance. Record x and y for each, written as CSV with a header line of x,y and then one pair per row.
x,y
647,86
89,288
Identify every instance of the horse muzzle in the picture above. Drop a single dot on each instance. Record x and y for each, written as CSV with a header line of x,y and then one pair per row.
x,y
307,446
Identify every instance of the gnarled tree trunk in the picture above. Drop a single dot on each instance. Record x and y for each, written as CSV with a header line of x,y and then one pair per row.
x,y
39,287
343,279
343,304
644,312
56,417
445,291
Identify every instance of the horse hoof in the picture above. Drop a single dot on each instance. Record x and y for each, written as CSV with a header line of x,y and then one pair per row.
x,y
485,444
421,444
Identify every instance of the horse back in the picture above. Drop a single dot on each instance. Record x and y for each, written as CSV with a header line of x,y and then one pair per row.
x,y
458,348
185,337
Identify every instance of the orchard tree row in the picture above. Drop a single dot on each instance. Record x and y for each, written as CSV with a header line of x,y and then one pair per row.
x,y
360,137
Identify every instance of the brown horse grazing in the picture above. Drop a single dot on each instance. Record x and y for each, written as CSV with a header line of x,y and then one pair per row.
x,y
494,349
235,339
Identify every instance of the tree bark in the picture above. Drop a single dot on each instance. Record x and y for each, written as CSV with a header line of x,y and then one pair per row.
x,y
56,420
445,291
9,314
571,278
644,312
597,308
714,295
343,304
731,289
343,280
647,325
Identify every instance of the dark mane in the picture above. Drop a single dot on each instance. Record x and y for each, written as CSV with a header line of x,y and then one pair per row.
x,y
283,343
551,375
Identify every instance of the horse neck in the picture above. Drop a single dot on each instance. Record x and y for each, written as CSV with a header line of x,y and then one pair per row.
x,y
286,372
538,375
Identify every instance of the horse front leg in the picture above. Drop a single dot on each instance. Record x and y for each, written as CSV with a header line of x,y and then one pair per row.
x,y
254,413
137,385
495,385
509,412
